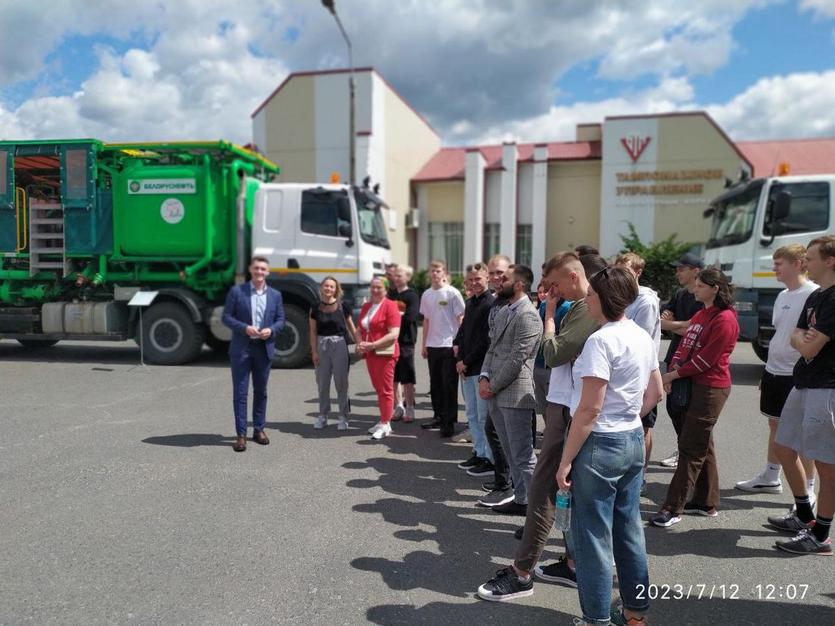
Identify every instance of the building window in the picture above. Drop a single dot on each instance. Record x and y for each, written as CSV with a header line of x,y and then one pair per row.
x,y
446,243
491,240
524,244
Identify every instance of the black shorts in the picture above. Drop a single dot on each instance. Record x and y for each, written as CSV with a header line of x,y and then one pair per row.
x,y
648,420
404,369
773,393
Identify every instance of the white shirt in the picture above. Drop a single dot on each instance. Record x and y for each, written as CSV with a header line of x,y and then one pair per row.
x,y
645,312
442,307
369,316
787,309
622,354
560,385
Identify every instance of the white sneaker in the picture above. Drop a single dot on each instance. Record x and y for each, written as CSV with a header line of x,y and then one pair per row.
x,y
343,423
409,414
320,422
462,437
670,461
759,484
383,431
375,428
399,410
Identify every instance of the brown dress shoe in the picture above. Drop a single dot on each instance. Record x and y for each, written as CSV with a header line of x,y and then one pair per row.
x,y
240,444
259,437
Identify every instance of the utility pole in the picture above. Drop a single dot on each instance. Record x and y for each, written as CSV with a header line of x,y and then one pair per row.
x,y
329,5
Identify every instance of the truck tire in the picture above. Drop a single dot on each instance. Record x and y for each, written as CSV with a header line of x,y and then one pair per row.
x,y
169,335
760,350
37,343
292,346
217,345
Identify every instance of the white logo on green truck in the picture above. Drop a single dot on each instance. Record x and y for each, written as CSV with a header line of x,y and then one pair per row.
x,y
162,186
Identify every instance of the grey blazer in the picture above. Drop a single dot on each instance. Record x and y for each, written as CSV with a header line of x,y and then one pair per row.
x,y
509,360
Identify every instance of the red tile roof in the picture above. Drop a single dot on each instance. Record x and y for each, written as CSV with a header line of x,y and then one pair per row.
x,y
448,163
804,156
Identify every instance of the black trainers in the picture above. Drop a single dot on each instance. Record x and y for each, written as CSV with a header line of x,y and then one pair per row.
x,y
698,509
557,572
484,468
511,508
488,486
664,519
497,497
505,586
471,462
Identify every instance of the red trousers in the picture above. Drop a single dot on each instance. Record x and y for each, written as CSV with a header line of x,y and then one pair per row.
x,y
381,371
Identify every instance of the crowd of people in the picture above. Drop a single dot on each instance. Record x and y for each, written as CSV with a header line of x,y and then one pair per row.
x,y
583,353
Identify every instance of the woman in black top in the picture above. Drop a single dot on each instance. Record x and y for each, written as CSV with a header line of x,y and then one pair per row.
x,y
330,324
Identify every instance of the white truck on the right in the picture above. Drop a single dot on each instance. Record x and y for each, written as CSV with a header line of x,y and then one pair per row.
x,y
752,219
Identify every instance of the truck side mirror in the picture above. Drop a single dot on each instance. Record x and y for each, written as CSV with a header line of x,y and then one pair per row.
x,y
782,206
345,230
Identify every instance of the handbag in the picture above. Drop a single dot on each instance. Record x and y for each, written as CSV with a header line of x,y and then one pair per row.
x,y
389,351
682,388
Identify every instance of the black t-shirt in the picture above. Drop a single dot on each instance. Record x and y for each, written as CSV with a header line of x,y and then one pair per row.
x,y
818,313
683,304
408,303
331,323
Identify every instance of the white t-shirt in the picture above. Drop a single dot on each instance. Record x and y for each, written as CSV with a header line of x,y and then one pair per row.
x,y
645,312
622,354
442,307
560,385
787,309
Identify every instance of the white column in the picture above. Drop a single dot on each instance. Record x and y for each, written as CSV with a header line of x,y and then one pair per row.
x,y
422,255
539,204
473,206
507,210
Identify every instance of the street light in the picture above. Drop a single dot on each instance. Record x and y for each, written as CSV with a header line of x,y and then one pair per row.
x,y
329,5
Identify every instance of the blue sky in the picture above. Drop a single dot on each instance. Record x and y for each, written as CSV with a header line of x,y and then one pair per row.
x,y
479,70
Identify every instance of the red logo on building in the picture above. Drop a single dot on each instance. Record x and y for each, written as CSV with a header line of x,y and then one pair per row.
x,y
635,145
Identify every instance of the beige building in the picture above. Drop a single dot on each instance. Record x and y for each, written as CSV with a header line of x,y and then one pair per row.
x,y
528,200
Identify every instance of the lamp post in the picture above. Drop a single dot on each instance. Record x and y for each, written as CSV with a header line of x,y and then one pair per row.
x,y
329,5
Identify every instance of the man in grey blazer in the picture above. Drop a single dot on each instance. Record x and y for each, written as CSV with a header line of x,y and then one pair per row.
x,y
507,381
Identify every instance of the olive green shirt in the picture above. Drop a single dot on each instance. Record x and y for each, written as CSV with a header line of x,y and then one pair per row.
x,y
576,327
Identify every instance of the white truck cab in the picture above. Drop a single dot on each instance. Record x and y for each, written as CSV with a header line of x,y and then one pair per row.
x,y
310,231
751,220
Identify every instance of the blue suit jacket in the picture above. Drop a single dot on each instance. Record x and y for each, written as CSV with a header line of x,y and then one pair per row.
x,y
237,315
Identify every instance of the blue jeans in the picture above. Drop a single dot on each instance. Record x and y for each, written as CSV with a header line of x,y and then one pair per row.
x,y
606,519
476,410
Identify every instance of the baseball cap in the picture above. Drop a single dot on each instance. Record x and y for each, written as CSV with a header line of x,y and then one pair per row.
x,y
688,259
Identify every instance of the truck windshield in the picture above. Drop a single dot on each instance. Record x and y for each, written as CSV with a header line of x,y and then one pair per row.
x,y
372,225
733,216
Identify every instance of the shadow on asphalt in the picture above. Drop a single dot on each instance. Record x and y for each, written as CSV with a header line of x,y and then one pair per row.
x,y
126,353
479,612
191,440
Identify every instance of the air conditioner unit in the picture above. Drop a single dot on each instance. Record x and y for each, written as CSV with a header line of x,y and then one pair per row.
x,y
413,218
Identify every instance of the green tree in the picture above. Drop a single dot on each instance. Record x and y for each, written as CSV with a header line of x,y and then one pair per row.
x,y
658,273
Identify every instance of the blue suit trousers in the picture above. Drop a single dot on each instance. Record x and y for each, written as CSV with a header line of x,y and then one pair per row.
x,y
252,360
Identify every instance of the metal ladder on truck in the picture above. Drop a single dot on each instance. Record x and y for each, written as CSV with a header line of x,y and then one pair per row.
x,y
46,237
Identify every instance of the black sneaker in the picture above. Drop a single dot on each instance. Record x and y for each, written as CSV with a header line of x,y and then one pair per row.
x,y
471,462
434,424
488,486
505,586
497,497
557,572
484,468
664,519
511,508
698,509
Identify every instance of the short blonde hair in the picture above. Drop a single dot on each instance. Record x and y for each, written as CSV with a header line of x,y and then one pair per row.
x,y
632,260
407,269
792,252
437,263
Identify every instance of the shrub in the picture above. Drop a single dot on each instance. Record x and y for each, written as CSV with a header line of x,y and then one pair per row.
x,y
658,273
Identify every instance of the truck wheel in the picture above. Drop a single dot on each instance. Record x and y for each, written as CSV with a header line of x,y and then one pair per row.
x,y
760,350
169,335
292,346
217,345
37,343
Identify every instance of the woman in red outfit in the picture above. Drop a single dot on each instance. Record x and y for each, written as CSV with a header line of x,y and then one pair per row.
x,y
702,356
379,326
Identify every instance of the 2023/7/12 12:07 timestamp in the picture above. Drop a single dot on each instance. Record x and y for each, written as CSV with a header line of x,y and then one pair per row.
x,y
733,591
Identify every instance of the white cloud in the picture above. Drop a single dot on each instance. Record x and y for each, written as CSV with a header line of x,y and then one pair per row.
x,y
823,8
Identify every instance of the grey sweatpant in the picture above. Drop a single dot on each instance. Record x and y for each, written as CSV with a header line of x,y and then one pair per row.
x,y
513,426
333,362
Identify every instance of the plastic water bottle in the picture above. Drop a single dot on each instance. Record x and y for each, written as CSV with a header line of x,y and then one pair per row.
x,y
562,519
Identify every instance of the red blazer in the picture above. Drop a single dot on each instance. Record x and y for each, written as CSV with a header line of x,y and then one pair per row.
x,y
388,316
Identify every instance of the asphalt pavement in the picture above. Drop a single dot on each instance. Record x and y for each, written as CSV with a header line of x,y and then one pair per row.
x,y
123,503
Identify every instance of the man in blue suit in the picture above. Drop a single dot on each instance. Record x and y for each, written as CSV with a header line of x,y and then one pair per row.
x,y
255,313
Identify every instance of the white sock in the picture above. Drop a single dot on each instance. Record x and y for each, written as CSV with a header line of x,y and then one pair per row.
x,y
810,485
772,472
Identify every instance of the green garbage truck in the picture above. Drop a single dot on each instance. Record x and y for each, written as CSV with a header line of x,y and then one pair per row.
x,y
85,225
